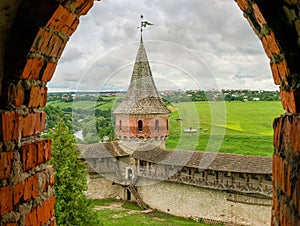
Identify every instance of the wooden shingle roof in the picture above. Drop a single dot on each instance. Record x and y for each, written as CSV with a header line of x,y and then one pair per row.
x,y
101,150
142,96
208,160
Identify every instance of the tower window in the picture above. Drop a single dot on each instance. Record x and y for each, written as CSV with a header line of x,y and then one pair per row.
x,y
156,125
140,125
120,124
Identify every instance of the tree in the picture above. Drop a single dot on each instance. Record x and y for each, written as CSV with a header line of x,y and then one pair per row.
x,y
72,207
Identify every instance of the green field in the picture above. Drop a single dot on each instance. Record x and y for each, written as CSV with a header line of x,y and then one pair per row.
x,y
231,127
84,104
238,127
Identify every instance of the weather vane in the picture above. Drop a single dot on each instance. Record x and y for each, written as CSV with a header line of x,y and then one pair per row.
x,y
143,24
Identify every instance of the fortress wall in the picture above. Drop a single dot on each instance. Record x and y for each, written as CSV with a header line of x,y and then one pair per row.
x,y
190,201
102,188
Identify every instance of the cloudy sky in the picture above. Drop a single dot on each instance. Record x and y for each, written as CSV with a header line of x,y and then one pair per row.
x,y
193,44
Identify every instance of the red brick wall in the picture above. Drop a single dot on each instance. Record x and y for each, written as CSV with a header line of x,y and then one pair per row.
x,y
26,182
130,126
278,28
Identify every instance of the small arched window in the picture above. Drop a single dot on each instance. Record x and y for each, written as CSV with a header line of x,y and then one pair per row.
x,y
120,124
156,125
140,125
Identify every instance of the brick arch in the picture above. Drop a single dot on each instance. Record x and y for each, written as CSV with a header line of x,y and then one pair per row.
x,y
35,40
37,37
277,25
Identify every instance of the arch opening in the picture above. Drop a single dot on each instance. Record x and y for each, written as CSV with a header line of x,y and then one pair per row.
x,y
140,125
156,127
23,58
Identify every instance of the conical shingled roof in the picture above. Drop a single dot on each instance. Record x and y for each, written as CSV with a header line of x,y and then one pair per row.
x,y
142,96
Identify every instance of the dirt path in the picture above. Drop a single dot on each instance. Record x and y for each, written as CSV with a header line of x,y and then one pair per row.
x,y
117,206
114,206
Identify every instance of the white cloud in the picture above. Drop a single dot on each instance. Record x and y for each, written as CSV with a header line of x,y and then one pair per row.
x,y
205,44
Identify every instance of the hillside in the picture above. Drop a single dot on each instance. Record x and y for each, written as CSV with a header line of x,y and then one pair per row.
x,y
233,127
246,126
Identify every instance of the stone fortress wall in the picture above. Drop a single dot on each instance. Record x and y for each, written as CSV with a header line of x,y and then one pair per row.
x,y
207,204
234,189
201,204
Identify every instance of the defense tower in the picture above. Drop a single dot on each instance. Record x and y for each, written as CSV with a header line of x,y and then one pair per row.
x,y
142,115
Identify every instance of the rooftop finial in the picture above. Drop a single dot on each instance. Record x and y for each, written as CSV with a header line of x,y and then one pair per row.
x,y
143,24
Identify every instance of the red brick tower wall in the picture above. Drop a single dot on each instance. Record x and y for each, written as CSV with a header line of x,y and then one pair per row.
x,y
36,38
129,127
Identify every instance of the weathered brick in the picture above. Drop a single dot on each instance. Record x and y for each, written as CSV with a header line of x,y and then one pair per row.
x,y
44,150
19,192
296,195
48,72
32,124
295,134
48,43
9,125
267,49
32,218
287,179
5,164
37,97
291,100
277,125
83,6
286,133
36,68
275,166
287,217
15,93
280,71
53,222
243,4
283,219
55,46
282,174
64,21
33,68
12,123
258,15
46,210
31,188
6,200
29,156
275,203
270,44
35,153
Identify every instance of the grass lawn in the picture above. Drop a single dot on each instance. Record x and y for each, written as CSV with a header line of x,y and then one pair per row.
x,y
130,214
237,127
103,202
